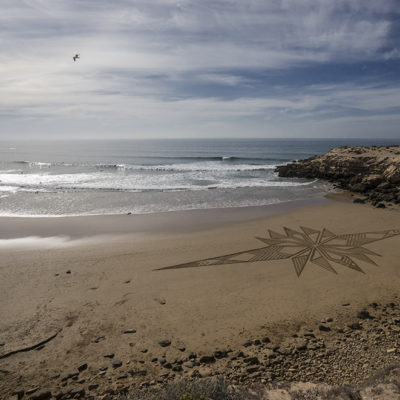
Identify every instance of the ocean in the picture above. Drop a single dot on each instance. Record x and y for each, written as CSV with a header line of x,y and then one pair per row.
x,y
62,178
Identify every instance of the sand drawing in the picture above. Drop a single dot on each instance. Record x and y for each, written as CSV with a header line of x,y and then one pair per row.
x,y
319,247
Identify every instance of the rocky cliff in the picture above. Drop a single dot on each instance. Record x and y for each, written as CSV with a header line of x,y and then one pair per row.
x,y
373,171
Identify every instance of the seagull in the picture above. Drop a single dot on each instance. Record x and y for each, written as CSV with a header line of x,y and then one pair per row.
x,y
75,57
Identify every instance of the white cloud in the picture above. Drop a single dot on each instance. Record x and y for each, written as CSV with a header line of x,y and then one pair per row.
x,y
123,43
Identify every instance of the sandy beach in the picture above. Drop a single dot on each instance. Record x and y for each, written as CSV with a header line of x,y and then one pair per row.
x,y
100,287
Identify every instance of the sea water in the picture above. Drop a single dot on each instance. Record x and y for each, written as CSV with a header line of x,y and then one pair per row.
x,y
58,178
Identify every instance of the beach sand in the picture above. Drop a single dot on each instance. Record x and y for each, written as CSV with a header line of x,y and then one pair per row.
x,y
94,278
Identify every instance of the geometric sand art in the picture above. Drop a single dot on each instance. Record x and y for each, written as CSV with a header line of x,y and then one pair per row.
x,y
319,247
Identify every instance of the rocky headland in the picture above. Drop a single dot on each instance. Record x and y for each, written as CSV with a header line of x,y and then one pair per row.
x,y
373,171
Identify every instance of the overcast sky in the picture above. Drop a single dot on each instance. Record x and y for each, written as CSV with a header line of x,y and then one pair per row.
x,y
199,68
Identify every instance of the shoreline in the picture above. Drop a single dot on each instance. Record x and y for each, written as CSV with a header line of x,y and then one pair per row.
x,y
169,221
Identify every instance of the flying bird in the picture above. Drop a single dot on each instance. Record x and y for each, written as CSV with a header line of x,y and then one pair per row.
x,y
75,57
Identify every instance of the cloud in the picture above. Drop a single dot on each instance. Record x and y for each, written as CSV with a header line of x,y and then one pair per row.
x,y
392,54
191,64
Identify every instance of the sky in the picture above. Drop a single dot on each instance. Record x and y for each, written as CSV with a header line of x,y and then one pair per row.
x,y
199,69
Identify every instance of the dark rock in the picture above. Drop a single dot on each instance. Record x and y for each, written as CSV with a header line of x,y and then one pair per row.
x,y
220,354
93,386
116,364
42,396
364,314
68,272
99,339
359,200
104,368
355,326
266,340
251,370
77,393
164,343
130,331
167,365
207,359
380,205
324,328
141,372
248,343
192,356
82,367
182,348
109,355
301,345
252,361
256,342
144,350
71,375
19,394
177,368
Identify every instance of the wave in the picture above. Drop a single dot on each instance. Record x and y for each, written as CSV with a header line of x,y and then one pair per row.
x,y
11,171
137,183
40,164
185,159
213,158
206,166
44,164
9,188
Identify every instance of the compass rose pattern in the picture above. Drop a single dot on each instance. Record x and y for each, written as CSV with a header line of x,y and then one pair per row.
x,y
319,247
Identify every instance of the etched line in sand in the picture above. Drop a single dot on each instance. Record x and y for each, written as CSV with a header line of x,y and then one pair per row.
x,y
319,247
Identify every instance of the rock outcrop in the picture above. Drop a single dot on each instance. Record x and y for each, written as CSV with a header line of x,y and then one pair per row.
x,y
373,171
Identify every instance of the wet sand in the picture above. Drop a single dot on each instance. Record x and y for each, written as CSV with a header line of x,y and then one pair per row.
x,y
164,222
103,280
